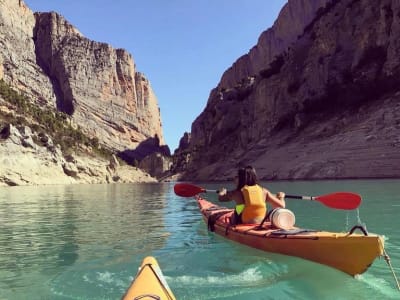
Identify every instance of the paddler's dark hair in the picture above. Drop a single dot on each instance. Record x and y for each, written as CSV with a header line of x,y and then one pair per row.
x,y
241,178
246,176
251,176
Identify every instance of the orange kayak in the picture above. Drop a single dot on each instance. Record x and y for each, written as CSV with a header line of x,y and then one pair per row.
x,y
349,252
149,283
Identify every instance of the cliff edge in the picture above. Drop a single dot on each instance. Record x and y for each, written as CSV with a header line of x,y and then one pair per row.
x,y
325,106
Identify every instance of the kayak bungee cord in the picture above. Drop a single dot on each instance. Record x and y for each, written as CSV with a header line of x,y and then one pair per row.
x,y
363,227
387,259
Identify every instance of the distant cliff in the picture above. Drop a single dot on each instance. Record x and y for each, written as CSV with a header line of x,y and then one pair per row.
x,y
98,86
316,100
94,88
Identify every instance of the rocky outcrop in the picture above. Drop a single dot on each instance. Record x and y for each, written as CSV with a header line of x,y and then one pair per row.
x,y
47,59
18,65
326,107
97,85
182,154
292,20
156,164
29,158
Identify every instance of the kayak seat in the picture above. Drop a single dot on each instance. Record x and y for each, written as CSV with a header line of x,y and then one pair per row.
x,y
214,217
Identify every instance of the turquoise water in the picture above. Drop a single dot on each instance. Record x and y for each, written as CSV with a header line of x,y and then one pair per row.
x,y
87,241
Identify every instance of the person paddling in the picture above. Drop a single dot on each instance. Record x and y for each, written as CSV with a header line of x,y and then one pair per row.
x,y
250,198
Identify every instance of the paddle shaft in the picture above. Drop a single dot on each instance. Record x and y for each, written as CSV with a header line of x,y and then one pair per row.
x,y
338,200
310,198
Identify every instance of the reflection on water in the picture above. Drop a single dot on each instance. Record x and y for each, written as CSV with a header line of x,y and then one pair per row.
x,y
46,229
86,242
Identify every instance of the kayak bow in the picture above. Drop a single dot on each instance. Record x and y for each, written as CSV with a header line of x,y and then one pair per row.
x,y
149,283
351,253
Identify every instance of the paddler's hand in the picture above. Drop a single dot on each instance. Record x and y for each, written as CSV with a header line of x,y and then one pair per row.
x,y
280,195
222,192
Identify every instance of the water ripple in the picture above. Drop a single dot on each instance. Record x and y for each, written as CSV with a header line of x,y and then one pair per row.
x,y
86,242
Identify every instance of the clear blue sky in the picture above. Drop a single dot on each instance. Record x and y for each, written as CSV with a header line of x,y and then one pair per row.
x,y
182,46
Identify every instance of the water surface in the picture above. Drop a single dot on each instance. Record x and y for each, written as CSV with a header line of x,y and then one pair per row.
x,y
87,241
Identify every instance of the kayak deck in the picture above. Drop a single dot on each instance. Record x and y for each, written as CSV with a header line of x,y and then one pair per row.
x,y
149,283
348,252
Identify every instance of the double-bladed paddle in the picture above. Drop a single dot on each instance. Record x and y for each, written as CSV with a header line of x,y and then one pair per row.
x,y
339,200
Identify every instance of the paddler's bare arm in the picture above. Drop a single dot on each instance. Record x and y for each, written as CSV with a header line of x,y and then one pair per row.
x,y
277,200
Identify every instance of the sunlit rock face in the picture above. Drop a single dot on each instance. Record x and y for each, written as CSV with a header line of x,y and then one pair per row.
x,y
18,65
46,58
51,61
31,158
97,84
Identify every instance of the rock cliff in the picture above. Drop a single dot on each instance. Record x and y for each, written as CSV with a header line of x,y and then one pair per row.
x,y
325,105
96,84
30,158
290,23
18,65
98,87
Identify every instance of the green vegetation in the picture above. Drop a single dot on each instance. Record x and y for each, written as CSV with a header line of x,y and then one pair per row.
x,y
52,122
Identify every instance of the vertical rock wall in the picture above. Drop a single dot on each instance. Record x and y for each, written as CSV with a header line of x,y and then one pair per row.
x,y
326,107
18,64
97,85
294,16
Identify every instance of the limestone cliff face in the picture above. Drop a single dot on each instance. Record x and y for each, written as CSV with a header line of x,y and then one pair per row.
x,y
99,86
290,24
18,64
325,107
237,83
31,158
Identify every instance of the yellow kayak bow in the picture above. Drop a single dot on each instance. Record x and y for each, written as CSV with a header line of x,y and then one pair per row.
x,y
149,283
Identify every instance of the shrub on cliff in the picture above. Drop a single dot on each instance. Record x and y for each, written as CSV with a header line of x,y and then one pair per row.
x,y
55,123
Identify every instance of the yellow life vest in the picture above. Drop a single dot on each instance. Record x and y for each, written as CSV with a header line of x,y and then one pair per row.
x,y
254,201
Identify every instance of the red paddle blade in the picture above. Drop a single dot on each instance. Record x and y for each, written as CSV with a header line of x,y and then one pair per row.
x,y
187,190
340,200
